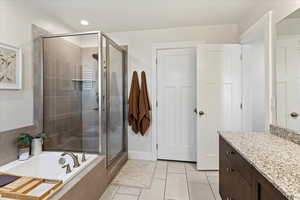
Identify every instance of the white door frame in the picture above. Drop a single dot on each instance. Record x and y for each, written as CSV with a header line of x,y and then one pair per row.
x,y
155,48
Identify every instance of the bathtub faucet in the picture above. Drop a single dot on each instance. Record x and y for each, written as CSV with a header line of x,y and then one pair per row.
x,y
74,157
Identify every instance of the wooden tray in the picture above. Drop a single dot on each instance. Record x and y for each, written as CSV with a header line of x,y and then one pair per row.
x,y
21,188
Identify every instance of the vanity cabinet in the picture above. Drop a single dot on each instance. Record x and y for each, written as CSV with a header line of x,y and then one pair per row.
x,y
239,180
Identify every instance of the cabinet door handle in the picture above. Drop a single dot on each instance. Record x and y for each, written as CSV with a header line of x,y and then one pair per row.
x,y
229,169
230,152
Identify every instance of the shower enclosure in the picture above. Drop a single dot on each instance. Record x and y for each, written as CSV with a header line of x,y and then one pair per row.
x,y
84,94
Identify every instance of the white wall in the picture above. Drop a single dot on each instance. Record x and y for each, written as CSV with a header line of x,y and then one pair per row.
x,y
16,18
258,95
254,86
140,58
280,10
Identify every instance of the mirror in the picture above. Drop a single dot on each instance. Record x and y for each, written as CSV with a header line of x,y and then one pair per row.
x,y
288,72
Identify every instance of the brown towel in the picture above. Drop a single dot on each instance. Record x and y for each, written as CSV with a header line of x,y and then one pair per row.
x,y
144,107
133,110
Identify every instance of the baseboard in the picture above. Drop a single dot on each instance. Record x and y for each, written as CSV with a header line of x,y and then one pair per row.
x,y
140,155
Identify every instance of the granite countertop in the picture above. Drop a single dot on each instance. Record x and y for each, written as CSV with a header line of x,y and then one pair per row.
x,y
277,159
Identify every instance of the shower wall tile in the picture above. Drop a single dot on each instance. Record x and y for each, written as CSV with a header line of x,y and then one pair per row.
x,y
49,125
62,101
49,106
76,103
63,123
64,87
49,87
63,105
90,114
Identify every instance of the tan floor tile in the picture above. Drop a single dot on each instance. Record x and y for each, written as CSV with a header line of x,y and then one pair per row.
x,y
109,192
190,166
215,188
183,182
212,173
200,191
176,167
176,187
156,192
161,164
197,177
136,173
129,190
125,197
213,179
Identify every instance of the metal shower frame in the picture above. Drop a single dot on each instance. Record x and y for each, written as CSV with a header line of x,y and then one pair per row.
x,y
103,87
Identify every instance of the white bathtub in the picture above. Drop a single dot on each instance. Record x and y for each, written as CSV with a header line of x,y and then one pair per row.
x,y
46,165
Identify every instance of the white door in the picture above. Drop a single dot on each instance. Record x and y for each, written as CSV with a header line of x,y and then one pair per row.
x,y
176,86
288,83
219,71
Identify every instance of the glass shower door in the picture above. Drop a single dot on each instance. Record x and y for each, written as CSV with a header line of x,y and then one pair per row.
x,y
115,100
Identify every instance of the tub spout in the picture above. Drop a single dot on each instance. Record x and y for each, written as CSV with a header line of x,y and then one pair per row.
x,y
68,168
74,157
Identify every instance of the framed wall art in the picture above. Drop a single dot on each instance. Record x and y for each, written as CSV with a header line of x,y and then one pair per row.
x,y
10,67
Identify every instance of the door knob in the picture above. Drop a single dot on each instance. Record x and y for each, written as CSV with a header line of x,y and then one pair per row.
x,y
294,114
201,113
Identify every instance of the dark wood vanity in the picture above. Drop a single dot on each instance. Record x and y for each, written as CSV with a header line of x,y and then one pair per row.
x,y
239,180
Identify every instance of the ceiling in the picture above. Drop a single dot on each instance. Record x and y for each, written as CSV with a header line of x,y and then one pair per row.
x,y
129,15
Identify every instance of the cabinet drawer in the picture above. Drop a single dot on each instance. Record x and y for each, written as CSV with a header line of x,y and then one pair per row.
x,y
241,165
242,190
232,184
226,151
224,178
238,163
264,190
239,180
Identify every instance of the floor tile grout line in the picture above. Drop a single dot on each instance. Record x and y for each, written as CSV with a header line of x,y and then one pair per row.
x,y
212,191
116,192
167,168
139,196
187,182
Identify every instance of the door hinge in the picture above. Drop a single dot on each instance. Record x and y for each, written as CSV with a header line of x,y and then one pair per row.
x,y
156,103
241,56
156,61
156,146
241,106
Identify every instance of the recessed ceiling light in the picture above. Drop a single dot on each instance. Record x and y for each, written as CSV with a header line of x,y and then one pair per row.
x,y
84,22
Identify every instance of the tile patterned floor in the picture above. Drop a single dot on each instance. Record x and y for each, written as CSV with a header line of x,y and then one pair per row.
x,y
136,173
172,181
